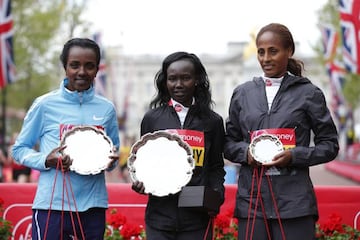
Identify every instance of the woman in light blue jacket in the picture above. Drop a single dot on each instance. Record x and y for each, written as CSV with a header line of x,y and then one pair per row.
x,y
73,104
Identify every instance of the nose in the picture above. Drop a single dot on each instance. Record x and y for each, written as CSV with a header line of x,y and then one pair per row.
x,y
178,82
267,56
81,70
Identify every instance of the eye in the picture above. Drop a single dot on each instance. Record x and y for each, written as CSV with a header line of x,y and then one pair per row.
x,y
90,66
260,52
74,65
186,77
274,51
171,78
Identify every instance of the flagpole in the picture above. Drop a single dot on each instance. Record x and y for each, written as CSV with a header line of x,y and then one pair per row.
x,y
3,120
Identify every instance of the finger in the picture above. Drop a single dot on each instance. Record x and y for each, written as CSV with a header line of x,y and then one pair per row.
x,y
59,148
62,148
110,164
67,160
114,150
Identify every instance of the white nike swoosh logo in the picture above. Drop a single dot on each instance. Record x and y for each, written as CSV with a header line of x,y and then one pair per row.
x,y
97,118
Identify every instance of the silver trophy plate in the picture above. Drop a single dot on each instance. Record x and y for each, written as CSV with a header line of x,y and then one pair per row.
x,y
264,147
89,148
162,161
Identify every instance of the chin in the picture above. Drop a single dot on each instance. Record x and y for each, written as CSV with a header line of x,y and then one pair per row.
x,y
82,88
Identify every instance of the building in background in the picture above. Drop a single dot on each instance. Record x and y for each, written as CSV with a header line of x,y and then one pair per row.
x,y
131,79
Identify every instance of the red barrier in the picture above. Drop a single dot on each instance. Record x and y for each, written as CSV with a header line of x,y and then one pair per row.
x,y
343,200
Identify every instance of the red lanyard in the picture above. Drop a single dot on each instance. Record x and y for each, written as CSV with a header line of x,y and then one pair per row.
x,y
65,176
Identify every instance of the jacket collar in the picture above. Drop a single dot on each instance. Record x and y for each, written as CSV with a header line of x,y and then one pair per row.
x,y
75,96
287,81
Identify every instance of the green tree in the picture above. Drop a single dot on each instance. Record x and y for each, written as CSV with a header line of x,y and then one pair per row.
x,y
352,89
40,29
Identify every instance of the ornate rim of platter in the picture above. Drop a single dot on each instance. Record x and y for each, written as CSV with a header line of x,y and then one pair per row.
x,y
89,148
162,161
264,147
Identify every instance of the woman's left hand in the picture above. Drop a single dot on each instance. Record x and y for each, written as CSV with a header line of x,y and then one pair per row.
x,y
114,157
282,159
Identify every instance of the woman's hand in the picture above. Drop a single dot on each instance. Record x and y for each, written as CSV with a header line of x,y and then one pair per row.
x,y
138,187
282,159
53,158
251,161
114,157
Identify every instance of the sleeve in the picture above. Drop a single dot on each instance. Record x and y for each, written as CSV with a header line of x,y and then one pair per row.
x,y
216,163
145,126
113,132
235,146
326,144
23,150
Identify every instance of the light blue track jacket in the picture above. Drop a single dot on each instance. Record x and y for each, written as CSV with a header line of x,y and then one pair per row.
x,y
41,129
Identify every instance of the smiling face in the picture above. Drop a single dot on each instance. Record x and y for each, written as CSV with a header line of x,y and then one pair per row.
x,y
181,82
272,55
81,68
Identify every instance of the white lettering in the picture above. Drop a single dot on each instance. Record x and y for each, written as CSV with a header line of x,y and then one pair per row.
x,y
288,137
187,138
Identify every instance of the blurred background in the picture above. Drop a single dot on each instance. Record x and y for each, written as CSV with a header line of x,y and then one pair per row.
x,y
136,35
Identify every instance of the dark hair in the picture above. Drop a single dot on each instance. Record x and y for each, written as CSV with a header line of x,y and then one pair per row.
x,y
202,93
294,66
79,42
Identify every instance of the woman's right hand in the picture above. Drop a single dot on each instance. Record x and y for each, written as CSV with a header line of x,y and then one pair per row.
x,y
251,161
55,156
138,187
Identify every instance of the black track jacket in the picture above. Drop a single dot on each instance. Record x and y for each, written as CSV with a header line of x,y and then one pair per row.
x,y
163,212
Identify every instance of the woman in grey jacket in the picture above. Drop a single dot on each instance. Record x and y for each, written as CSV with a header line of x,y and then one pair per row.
x,y
276,200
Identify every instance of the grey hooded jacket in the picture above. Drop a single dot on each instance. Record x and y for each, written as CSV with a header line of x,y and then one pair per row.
x,y
298,105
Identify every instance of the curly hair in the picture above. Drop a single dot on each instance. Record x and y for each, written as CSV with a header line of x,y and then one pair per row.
x,y
294,66
202,93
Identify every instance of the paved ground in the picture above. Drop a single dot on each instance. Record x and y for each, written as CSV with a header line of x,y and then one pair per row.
x,y
321,176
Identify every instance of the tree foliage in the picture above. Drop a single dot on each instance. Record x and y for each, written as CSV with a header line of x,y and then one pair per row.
x,y
40,29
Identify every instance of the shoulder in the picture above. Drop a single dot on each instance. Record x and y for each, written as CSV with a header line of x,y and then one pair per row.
x,y
215,116
303,86
213,120
104,100
306,85
248,85
155,113
41,103
45,98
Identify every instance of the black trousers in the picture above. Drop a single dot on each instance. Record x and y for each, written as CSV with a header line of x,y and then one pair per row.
x,y
198,234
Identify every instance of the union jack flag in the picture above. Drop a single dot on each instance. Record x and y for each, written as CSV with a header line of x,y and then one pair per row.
x,y
330,41
100,80
338,103
350,26
7,66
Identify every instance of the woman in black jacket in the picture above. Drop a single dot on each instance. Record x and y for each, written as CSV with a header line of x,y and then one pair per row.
x,y
183,102
276,200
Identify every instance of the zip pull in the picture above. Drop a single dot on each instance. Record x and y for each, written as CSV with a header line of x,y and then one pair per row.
x,y
80,98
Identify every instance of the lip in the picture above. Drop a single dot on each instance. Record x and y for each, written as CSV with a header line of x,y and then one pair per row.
x,y
81,81
179,93
267,67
